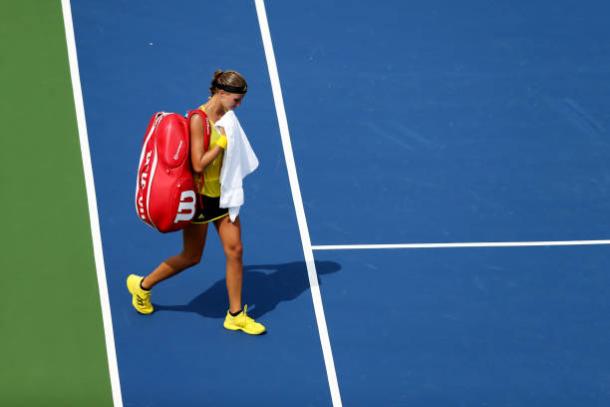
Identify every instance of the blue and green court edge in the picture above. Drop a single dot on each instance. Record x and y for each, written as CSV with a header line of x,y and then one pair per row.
x,y
52,342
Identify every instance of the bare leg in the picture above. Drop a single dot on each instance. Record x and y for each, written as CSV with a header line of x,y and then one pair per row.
x,y
230,236
193,238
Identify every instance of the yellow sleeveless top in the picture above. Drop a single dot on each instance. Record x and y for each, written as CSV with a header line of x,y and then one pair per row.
x,y
211,173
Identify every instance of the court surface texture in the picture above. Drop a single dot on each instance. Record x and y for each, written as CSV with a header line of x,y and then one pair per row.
x,y
428,226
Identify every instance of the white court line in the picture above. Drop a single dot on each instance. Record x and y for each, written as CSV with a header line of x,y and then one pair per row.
x,y
298,204
460,245
92,202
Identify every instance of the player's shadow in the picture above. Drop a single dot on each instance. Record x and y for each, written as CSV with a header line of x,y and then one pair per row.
x,y
265,286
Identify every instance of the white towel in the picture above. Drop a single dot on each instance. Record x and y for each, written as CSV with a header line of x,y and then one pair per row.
x,y
239,161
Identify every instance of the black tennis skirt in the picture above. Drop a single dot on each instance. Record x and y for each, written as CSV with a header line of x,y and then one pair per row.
x,y
208,210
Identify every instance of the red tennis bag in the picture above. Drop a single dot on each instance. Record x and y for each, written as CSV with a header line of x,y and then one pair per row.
x,y
165,190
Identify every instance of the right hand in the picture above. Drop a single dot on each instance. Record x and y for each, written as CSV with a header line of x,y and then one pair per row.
x,y
222,142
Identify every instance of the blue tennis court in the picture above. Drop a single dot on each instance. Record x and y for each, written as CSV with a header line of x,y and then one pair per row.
x,y
422,134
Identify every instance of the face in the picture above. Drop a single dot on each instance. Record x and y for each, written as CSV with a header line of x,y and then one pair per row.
x,y
230,100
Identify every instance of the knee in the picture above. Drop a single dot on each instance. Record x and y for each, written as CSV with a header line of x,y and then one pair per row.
x,y
234,251
190,259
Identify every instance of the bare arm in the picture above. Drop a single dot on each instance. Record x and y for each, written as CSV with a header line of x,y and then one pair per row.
x,y
199,158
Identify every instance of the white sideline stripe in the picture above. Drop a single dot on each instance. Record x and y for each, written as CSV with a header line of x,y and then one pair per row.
x,y
298,203
92,202
460,245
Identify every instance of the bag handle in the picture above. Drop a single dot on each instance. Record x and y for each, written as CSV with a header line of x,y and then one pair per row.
x,y
207,130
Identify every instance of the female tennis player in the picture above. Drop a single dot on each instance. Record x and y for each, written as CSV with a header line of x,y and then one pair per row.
x,y
227,89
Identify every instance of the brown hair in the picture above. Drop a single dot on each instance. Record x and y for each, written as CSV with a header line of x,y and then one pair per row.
x,y
229,81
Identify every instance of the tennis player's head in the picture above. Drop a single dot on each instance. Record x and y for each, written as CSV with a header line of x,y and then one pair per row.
x,y
229,87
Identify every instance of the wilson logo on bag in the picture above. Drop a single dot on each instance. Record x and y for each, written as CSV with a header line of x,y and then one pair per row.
x,y
165,190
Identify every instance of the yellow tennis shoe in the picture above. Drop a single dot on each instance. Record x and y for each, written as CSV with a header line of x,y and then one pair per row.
x,y
140,297
244,323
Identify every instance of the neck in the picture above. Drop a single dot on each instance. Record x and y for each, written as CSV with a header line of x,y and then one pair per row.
x,y
214,108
